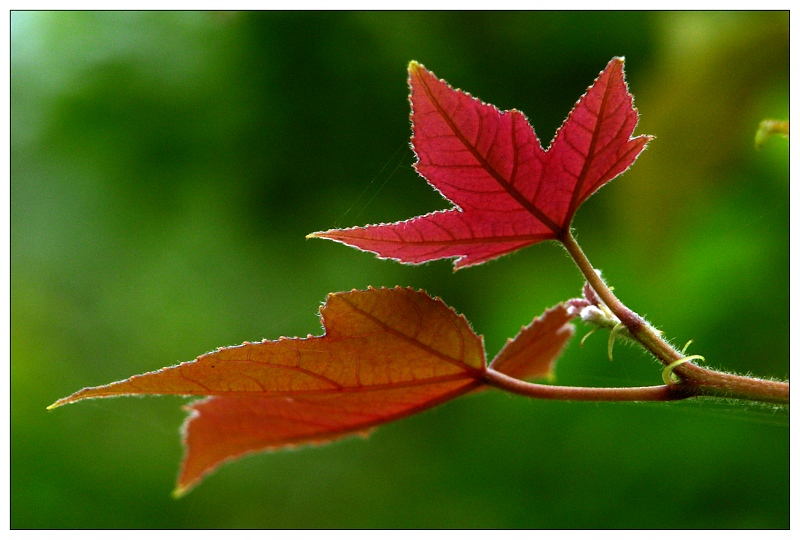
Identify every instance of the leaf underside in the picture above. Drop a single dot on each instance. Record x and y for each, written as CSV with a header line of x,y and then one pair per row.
x,y
508,192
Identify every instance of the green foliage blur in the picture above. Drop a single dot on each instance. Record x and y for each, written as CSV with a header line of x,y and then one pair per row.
x,y
167,166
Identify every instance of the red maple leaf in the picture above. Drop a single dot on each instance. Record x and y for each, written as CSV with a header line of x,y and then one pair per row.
x,y
509,192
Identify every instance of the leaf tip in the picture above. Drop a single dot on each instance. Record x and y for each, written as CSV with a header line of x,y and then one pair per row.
x,y
63,401
179,491
416,70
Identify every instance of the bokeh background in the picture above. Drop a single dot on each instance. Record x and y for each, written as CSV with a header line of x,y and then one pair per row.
x,y
166,168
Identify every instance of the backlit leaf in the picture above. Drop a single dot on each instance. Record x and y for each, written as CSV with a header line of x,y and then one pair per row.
x,y
386,354
508,191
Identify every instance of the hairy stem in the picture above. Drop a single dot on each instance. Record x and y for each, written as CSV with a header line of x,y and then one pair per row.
x,y
700,380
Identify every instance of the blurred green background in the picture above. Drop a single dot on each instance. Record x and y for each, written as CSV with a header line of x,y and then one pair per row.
x,y
167,166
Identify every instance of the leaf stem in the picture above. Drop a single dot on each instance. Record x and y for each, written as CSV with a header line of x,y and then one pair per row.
x,y
577,393
700,380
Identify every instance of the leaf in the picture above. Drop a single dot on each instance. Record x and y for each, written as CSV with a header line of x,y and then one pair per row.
x,y
386,354
508,192
533,352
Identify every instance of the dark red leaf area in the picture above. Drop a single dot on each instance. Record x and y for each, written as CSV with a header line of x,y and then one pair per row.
x,y
508,191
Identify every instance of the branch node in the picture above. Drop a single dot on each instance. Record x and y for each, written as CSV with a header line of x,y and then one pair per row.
x,y
668,375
